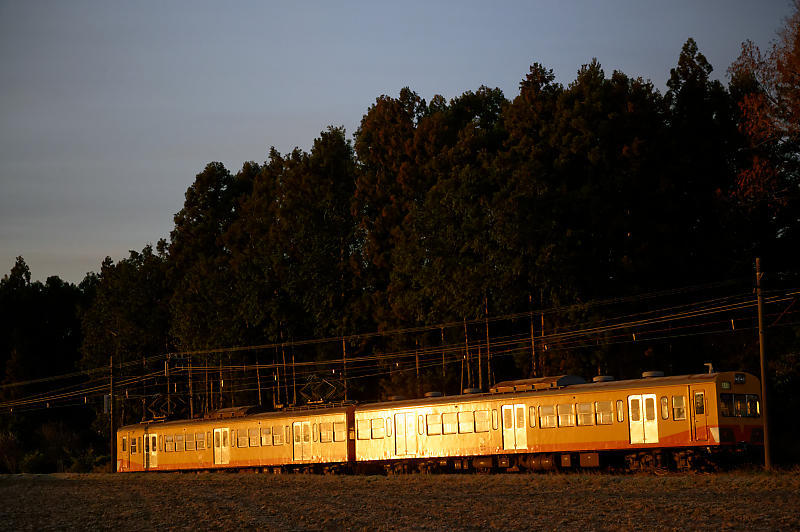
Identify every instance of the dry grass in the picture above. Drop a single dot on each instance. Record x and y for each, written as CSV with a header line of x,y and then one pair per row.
x,y
741,500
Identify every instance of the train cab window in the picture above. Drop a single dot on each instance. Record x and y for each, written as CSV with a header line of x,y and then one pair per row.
x,y
664,407
753,406
566,415
253,437
277,436
449,423
604,412
635,410
200,440
699,403
326,432
678,407
620,410
133,445
378,427
339,431
362,429
547,416
585,413
434,424
532,415
726,404
169,443
124,444
266,436
466,422
482,421
189,442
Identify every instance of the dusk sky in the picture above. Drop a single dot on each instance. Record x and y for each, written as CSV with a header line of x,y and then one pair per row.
x,y
108,109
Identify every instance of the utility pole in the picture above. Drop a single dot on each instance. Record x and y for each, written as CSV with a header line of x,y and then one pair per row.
x,y
416,361
191,396
258,378
533,344
344,367
488,348
166,374
113,441
767,459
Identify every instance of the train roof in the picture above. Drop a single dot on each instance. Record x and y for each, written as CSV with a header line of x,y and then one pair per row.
x,y
559,385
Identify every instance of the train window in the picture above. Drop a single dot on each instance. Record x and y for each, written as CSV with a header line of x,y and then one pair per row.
x,y
225,437
726,404
482,421
362,429
200,440
146,444
605,412
532,415
208,440
339,431
241,438
124,444
620,410
133,445
266,436
566,415
189,442
388,426
252,434
179,442
585,413
277,436
434,422
699,403
650,408
494,419
326,432
635,410
466,422
314,430
520,410
449,423
678,407
420,425
287,437
306,432
378,427
547,416
753,406
664,408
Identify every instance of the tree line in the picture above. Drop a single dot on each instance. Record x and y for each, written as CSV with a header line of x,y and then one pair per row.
x,y
440,212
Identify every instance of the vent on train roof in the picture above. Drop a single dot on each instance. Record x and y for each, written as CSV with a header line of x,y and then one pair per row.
x,y
433,394
471,390
652,374
538,383
396,398
603,378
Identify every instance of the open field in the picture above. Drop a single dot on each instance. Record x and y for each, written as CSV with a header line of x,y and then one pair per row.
x,y
741,500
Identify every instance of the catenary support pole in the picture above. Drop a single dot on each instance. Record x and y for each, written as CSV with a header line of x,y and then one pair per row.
x,y
762,356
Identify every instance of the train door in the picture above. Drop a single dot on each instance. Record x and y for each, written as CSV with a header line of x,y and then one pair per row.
x,y
642,421
302,440
405,434
514,432
152,456
222,447
699,414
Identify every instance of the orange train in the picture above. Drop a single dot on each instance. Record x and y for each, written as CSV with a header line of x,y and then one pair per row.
x,y
680,422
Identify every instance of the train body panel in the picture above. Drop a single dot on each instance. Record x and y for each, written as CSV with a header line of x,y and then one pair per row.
x,y
703,412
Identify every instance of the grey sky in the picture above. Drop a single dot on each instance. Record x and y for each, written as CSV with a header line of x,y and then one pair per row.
x,y
108,109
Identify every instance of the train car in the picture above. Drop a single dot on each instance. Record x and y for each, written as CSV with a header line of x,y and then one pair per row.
x,y
681,421
307,440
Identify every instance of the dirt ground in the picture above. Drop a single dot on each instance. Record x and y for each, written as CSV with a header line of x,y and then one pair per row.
x,y
751,500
